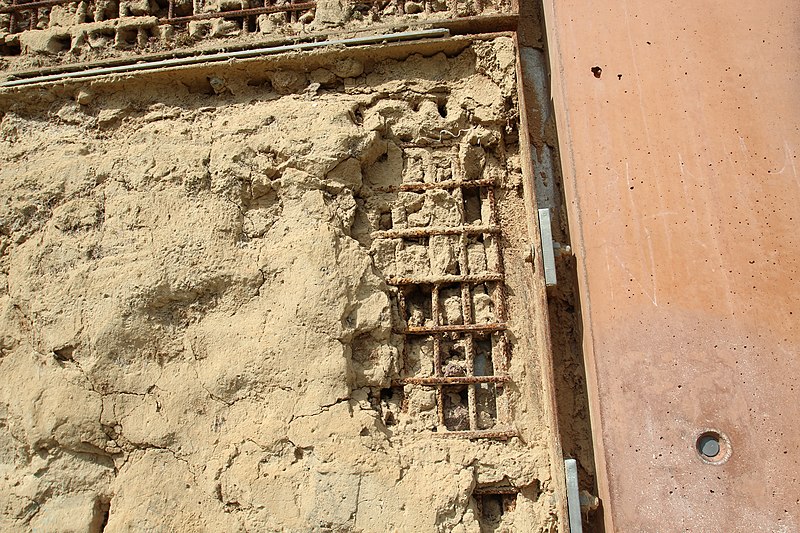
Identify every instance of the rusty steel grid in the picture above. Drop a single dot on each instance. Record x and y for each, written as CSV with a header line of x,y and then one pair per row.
x,y
437,331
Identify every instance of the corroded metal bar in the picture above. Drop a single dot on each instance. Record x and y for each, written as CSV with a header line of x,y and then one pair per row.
x,y
447,139
467,315
447,279
500,290
453,380
18,8
12,20
495,490
472,403
500,363
411,233
455,328
480,434
402,306
447,185
240,12
402,310
500,354
437,354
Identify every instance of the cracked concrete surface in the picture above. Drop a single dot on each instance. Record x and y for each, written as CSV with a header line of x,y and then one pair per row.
x,y
183,281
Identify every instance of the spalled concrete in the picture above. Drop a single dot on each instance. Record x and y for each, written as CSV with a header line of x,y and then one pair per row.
x,y
199,332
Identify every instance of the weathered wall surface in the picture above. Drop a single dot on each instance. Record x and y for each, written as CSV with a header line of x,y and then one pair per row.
x,y
78,32
680,156
197,330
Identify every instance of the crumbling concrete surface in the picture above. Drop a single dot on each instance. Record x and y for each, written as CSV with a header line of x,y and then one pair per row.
x,y
196,332
79,32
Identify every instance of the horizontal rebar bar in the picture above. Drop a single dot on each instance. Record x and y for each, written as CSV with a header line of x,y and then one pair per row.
x,y
453,380
494,490
16,8
479,434
411,233
241,12
455,328
449,184
446,279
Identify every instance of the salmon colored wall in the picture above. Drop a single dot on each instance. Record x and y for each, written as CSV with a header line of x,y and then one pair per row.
x,y
682,179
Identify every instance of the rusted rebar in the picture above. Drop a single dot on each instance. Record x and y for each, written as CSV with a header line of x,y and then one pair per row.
x,y
447,185
414,233
240,12
437,354
453,380
500,290
479,491
489,327
12,20
447,279
467,316
16,7
479,434
500,349
500,353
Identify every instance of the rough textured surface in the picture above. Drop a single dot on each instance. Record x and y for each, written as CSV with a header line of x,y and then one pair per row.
x,y
104,29
187,287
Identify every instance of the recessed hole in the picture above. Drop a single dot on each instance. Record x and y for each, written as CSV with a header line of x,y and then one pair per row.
x,y
708,446
713,447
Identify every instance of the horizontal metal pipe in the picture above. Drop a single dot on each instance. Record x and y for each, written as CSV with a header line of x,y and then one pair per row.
x,y
225,56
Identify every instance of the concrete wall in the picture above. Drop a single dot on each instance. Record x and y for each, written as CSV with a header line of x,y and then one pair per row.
x,y
683,185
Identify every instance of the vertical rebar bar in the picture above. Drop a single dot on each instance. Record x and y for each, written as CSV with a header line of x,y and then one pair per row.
x,y
12,19
500,355
437,353
500,289
402,311
467,316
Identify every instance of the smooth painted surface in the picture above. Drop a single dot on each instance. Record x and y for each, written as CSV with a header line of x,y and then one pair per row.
x,y
683,183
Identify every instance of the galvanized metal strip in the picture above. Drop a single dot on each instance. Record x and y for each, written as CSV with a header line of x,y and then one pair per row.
x,y
548,254
573,496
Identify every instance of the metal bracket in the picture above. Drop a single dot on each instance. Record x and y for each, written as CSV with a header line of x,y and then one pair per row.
x,y
573,496
548,252
550,248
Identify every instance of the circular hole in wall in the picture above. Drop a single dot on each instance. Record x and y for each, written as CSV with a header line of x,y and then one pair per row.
x,y
713,447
